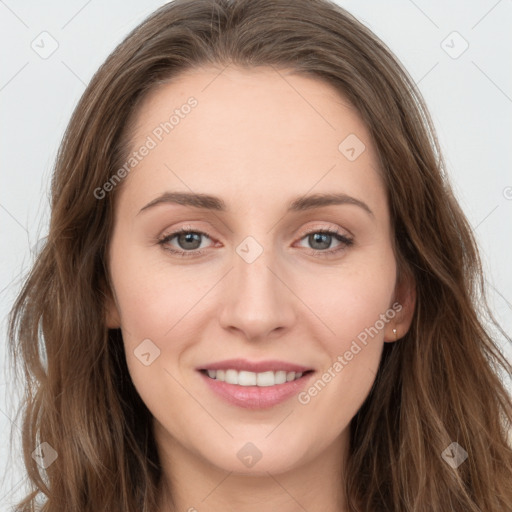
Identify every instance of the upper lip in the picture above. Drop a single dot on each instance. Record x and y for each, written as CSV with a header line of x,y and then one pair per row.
x,y
255,366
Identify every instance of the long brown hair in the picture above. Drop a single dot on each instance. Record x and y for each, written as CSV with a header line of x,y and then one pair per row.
x,y
439,384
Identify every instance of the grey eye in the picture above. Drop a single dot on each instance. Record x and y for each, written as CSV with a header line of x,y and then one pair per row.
x,y
320,241
189,240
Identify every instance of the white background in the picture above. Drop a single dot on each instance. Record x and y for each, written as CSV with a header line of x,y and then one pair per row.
x,y
470,99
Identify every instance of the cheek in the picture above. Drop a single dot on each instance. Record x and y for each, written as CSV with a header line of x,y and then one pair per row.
x,y
351,299
154,295
157,304
356,306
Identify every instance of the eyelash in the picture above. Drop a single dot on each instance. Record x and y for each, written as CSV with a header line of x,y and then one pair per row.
x,y
346,242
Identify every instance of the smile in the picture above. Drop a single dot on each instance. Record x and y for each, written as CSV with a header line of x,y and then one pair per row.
x,y
246,378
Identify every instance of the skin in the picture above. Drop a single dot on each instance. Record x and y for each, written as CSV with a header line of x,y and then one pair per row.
x,y
257,139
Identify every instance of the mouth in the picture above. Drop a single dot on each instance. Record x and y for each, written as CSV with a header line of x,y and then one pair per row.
x,y
255,384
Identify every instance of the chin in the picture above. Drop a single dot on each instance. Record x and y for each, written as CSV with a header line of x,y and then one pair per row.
x,y
257,458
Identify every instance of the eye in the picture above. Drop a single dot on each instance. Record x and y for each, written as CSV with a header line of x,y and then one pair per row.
x,y
189,242
320,240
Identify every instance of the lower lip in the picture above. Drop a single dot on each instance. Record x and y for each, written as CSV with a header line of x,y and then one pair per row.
x,y
256,397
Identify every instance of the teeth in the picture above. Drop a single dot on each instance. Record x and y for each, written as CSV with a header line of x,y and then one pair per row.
x,y
245,378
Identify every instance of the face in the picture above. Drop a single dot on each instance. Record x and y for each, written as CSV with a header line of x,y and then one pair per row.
x,y
267,280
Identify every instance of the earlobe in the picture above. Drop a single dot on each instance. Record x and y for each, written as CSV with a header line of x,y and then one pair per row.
x,y
405,296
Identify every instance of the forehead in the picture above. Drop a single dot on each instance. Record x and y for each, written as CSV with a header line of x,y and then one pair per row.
x,y
251,131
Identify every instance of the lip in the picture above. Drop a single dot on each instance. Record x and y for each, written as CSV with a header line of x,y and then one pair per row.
x,y
256,397
255,366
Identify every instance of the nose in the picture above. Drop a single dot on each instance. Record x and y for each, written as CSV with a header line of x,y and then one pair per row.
x,y
257,298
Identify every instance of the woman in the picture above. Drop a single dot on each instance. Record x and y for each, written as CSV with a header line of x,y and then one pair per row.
x,y
258,290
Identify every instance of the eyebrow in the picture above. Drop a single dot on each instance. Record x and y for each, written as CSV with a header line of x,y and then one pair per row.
x,y
209,202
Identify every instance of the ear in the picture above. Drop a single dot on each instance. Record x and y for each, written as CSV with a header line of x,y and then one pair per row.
x,y
404,303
